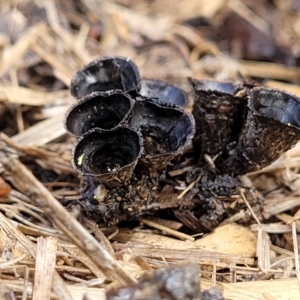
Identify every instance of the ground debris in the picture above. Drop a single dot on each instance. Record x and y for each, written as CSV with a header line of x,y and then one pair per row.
x,y
171,283
170,214
208,200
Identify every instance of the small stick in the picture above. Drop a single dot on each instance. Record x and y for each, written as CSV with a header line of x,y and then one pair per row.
x,y
100,236
191,185
249,207
168,230
175,173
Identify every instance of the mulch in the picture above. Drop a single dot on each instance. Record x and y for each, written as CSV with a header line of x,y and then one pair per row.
x,y
54,243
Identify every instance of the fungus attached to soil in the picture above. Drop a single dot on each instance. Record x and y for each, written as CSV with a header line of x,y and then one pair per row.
x,y
122,121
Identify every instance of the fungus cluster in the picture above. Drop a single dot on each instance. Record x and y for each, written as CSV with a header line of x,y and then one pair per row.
x,y
121,119
244,128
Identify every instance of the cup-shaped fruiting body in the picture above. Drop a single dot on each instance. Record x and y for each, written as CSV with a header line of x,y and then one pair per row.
x,y
105,110
271,128
166,131
215,110
163,92
110,156
105,74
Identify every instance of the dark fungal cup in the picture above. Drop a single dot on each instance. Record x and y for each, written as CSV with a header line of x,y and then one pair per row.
x,y
215,110
105,74
271,128
105,110
109,156
163,92
166,131
275,104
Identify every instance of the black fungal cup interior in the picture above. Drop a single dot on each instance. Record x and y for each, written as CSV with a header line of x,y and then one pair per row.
x,y
165,93
164,129
105,74
98,110
105,152
276,104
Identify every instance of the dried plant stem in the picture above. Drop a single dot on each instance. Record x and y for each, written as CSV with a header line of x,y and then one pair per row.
x,y
191,185
168,230
44,267
100,236
288,219
296,253
41,197
56,160
9,58
249,206
58,284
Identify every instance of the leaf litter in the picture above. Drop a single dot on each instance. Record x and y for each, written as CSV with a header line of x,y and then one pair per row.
x,y
42,46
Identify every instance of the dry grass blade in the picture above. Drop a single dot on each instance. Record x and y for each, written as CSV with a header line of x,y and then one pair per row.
x,y
288,220
167,230
263,250
270,70
15,52
249,207
278,289
296,252
63,34
76,293
272,228
276,206
81,293
241,9
44,267
205,256
155,28
189,187
41,197
63,72
100,236
81,256
42,133
49,158
57,284
25,96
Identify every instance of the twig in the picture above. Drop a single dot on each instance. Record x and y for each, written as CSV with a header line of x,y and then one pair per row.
x,y
191,185
168,230
100,236
249,207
